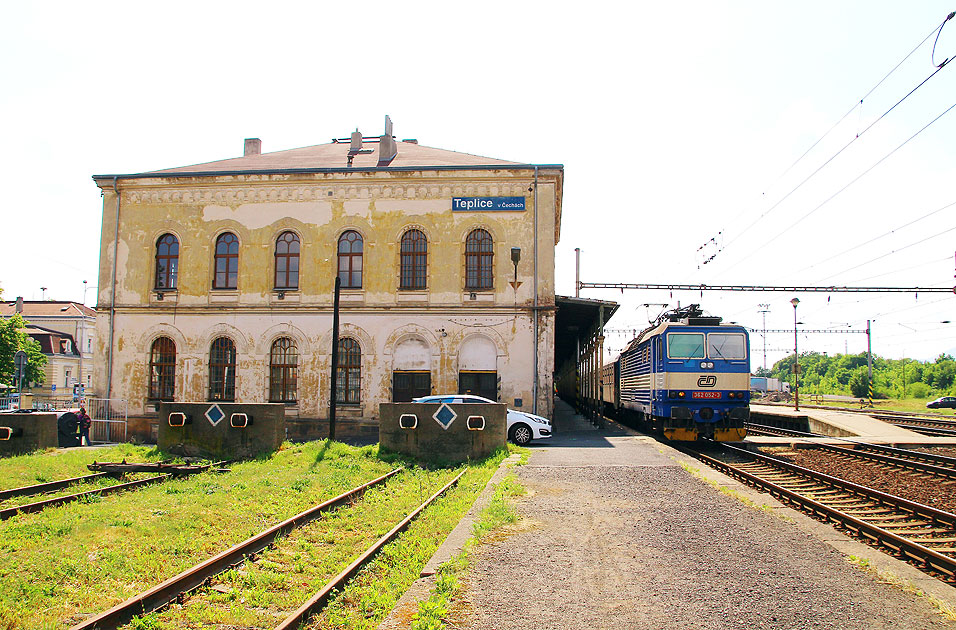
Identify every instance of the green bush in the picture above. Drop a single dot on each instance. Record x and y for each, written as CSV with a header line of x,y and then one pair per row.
x,y
918,390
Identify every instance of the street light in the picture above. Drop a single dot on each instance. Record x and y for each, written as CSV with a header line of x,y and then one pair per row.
x,y
796,359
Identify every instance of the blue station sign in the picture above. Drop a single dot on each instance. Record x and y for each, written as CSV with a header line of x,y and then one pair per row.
x,y
485,204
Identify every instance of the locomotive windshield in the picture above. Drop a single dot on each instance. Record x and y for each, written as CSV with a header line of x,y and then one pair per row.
x,y
685,345
726,346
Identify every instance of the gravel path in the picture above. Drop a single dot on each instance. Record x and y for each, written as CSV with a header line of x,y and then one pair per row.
x,y
617,535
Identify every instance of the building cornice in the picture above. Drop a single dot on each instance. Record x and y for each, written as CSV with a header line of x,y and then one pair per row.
x,y
106,181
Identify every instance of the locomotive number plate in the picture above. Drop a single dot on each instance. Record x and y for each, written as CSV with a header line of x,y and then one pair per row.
x,y
708,395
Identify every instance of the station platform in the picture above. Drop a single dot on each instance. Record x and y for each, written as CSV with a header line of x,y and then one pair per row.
x,y
838,424
617,530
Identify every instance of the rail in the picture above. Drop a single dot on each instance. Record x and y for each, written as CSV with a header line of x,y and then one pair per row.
x,y
131,485
893,512
40,488
162,594
321,597
907,459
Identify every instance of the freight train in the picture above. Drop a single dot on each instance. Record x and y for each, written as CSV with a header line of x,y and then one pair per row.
x,y
686,377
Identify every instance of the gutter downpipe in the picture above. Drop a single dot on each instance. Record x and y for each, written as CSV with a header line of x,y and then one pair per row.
x,y
109,361
534,398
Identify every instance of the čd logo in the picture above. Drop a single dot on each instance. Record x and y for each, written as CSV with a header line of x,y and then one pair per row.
x,y
707,381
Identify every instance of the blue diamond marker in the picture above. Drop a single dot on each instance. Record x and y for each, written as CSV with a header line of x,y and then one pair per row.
x,y
445,416
214,414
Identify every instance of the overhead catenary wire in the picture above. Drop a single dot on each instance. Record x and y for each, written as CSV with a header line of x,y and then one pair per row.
x,y
876,238
805,216
935,261
858,104
890,253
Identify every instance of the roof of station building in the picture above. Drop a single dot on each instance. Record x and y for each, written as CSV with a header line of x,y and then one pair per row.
x,y
334,156
47,308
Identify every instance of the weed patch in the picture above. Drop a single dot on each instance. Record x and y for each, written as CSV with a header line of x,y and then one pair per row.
x,y
433,612
887,577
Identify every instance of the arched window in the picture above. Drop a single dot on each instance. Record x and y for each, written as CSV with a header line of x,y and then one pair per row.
x,y
162,369
227,261
479,256
287,261
349,373
222,370
350,260
167,261
283,370
414,264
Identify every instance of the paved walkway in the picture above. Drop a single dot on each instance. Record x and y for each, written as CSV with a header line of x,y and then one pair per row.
x,y
615,533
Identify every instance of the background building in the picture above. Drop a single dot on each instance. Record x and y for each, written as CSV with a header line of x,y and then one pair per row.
x,y
217,280
66,332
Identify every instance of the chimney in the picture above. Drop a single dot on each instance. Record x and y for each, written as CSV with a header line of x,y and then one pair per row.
x,y
356,145
387,149
19,303
253,146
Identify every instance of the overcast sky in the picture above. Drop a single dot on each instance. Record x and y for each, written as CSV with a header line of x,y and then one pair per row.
x,y
677,123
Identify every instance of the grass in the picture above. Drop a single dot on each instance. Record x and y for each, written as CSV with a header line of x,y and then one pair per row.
x,y
433,613
54,464
906,405
78,559
63,564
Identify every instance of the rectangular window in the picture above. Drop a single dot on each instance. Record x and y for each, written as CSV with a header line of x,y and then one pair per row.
x,y
347,390
726,346
409,385
685,345
484,384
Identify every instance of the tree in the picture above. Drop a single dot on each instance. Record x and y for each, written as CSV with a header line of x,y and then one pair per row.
x,y
13,339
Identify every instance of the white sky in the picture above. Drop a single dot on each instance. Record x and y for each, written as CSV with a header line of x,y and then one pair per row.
x,y
674,122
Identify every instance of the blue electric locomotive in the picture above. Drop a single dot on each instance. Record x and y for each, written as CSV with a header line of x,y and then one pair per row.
x,y
687,377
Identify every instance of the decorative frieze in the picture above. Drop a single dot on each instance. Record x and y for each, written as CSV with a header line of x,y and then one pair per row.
x,y
267,192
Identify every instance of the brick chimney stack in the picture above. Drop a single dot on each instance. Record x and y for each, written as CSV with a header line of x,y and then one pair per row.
x,y
253,146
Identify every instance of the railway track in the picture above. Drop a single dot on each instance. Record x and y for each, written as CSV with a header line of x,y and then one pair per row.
x,y
898,458
921,534
177,587
920,424
51,486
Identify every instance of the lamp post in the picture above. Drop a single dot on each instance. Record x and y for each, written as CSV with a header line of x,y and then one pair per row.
x,y
796,359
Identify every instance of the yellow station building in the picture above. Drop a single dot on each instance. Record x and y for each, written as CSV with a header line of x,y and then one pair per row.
x,y
217,280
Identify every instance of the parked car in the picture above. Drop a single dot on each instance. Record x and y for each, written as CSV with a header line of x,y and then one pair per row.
x,y
522,427
943,402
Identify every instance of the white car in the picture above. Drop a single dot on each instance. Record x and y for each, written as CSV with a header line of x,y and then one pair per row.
x,y
522,427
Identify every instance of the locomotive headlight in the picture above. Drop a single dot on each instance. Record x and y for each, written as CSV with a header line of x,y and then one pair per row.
x,y
706,365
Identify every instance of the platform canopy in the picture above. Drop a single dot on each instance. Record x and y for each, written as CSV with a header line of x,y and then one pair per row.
x,y
578,320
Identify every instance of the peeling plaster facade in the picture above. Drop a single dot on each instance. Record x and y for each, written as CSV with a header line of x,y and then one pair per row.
x,y
443,329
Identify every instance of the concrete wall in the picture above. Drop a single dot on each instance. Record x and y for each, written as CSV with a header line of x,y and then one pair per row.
x,y
380,317
431,441
38,432
200,437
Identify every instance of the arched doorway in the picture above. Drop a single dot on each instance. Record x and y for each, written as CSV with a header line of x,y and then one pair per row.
x,y
411,370
478,368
